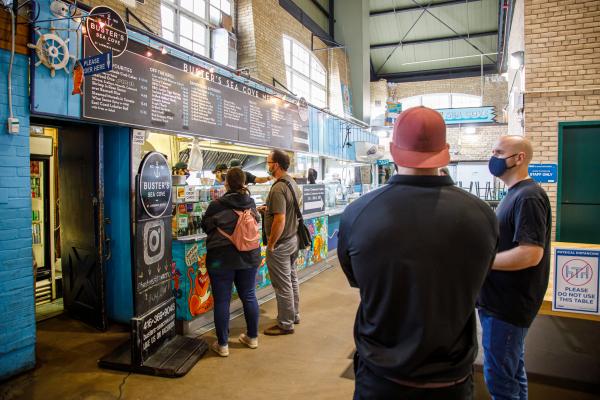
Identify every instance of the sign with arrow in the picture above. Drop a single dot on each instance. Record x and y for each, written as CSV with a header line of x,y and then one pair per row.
x,y
313,199
97,64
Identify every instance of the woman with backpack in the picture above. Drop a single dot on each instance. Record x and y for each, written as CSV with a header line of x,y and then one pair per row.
x,y
233,256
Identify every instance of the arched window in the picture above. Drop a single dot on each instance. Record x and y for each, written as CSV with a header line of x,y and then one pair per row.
x,y
442,100
305,75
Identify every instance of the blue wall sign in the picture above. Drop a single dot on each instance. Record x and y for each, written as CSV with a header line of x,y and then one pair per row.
x,y
544,173
383,162
97,64
468,115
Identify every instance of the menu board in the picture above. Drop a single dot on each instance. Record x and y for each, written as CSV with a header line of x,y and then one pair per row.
x,y
167,93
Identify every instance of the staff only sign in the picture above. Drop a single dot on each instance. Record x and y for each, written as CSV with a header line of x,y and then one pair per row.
x,y
576,281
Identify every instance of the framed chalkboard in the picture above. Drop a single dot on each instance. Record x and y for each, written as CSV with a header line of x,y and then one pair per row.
x,y
167,93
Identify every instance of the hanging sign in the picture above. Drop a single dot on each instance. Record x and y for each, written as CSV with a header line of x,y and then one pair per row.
x,y
467,115
155,185
106,30
97,64
576,281
544,173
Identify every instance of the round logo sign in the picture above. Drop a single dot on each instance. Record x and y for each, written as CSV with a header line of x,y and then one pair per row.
x,y
106,30
155,185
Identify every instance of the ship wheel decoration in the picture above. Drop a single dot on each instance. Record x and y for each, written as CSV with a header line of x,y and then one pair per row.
x,y
52,52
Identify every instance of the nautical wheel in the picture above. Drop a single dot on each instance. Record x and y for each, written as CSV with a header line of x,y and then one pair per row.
x,y
52,52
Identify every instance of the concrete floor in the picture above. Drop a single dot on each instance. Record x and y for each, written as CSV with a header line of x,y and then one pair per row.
x,y
311,364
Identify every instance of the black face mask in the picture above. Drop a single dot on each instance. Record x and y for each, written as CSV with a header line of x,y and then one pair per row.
x,y
497,165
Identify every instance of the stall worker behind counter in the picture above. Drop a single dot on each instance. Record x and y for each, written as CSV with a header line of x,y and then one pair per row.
x,y
220,171
250,178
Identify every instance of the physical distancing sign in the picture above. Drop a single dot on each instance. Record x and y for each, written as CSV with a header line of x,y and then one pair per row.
x,y
576,281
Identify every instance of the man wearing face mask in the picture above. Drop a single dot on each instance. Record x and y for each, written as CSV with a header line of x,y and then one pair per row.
x,y
280,228
514,290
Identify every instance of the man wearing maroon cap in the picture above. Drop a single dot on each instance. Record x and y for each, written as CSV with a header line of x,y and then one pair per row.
x,y
419,250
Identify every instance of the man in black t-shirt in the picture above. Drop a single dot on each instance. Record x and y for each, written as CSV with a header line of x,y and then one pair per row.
x,y
250,177
514,290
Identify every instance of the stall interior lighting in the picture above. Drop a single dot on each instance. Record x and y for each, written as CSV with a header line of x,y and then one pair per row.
x,y
228,148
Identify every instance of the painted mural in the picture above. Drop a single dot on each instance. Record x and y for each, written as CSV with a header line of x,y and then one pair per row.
x,y
191,285
318,229
333,228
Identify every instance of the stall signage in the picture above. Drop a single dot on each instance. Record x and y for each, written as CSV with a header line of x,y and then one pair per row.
x,y
544,173
467,115
106,31
167,93
313,199
153,258
383,162
97,64
152,329
155,185
139,137
576,281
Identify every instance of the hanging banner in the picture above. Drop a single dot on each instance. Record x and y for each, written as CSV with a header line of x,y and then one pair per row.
x,y
468,115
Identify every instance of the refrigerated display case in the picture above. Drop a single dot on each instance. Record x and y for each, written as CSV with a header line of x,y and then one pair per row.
x,y
40,229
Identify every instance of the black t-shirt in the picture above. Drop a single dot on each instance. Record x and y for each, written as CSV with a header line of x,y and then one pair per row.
x,y
525,217
250,178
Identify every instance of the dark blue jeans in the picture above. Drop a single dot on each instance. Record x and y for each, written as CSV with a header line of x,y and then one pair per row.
x,y
221,281
503,358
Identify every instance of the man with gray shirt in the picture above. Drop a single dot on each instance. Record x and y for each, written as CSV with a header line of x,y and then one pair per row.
x,y
281,227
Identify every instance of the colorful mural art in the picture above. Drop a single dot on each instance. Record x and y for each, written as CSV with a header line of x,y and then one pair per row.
x,y
191,285
333,228
318,230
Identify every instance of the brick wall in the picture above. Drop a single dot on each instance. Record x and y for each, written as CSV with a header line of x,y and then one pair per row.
x,y
562,72
473,146
17,326
261,26
494,90
149,12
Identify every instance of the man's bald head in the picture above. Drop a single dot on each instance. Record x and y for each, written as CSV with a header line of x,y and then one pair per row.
x,y
513,144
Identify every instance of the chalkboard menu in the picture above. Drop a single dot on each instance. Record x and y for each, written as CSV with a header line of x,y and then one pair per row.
x,y
167,93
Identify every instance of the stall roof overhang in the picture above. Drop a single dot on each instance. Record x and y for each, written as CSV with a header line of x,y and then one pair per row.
x,y
432,39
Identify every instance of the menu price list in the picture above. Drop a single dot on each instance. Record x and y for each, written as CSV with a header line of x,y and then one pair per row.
x,y
144,92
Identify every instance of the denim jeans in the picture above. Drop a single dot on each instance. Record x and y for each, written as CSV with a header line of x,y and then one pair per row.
x,y
369,386
221,281
503,358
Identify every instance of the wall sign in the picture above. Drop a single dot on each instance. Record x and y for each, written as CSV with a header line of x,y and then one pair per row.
x,y
576,281
544,173
106,31
170,94
468,115
155,185
97,64
313,199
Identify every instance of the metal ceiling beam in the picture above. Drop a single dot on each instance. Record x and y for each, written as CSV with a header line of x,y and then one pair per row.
x,y
435,74
416,8
433,40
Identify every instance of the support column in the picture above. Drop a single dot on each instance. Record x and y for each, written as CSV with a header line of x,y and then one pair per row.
x,y
352,30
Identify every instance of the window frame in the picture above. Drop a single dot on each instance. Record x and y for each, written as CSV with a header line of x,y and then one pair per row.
x,y
451,98
292,72
179,10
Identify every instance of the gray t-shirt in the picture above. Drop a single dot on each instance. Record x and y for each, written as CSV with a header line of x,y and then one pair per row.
x,y
280,201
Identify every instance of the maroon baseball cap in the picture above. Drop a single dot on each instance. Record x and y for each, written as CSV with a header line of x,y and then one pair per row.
x,y
419,139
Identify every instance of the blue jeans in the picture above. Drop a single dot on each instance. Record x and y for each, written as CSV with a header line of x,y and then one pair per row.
x,y
221,281
503,358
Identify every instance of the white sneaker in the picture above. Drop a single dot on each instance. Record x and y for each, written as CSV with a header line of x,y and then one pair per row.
x,y
223,351
248,341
